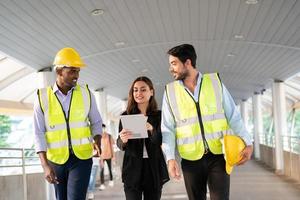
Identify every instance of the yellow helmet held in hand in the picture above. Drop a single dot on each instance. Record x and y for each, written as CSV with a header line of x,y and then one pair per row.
x,y
68,57
232,148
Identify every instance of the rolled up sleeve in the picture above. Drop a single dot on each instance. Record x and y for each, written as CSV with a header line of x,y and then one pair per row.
x,y
234,117
168,130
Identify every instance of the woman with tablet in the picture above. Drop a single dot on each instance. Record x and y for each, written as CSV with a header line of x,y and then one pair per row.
x,y
144,168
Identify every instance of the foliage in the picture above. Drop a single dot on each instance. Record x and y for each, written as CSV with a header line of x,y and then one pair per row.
x,y
5,129
296,140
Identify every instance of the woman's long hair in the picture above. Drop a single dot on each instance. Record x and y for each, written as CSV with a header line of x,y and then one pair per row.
x,y
132,106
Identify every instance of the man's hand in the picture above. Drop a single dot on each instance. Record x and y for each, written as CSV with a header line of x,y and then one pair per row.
x,y
49,172
50,175
173,169
246,154
97,144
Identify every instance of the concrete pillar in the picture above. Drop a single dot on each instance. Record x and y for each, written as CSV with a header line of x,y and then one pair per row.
x,y
101,101
258,123
114,128
46,78
244,113
280,123
124,105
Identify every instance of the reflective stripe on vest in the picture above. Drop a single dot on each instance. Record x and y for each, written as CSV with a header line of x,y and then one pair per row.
x,y
58,127
197,137
205,118
57,124
64,143
187,125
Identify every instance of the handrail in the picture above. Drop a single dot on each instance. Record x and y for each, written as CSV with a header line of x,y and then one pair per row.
x,y
289,143
22,156
23,163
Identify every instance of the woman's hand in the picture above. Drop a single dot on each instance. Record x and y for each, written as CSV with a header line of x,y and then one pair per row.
x,y
149,127
125,135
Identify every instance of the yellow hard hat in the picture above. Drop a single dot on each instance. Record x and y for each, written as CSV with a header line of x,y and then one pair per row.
x,y
68,57
232,148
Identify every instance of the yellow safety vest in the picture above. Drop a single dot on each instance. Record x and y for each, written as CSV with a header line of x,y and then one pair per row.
x,y
198,122
61,131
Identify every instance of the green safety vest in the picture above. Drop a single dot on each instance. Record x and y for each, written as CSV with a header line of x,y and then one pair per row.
x,y
188,122
61,132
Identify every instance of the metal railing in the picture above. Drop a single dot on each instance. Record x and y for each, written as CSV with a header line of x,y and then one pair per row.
x,y
18,158
266,139
289,143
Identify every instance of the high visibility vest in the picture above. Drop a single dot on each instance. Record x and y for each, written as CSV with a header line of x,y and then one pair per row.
x,y
63,133
198,122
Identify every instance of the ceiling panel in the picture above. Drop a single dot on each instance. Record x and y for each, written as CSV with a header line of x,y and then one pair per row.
x,y
131,38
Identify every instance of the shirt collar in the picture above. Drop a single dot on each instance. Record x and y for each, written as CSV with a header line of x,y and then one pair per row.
x,y
198,79
56,89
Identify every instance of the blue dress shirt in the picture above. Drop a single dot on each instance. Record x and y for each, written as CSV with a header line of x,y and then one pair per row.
x,y
232,114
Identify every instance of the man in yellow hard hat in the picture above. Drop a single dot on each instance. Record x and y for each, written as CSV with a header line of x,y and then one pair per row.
x,y
66,121
197,110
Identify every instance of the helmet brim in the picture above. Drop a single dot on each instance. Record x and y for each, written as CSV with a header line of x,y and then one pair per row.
x,y
229,169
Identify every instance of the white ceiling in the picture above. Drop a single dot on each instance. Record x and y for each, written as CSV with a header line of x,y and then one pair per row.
x,y
32,31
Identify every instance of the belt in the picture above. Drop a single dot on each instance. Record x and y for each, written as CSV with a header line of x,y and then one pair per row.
x,y
206,151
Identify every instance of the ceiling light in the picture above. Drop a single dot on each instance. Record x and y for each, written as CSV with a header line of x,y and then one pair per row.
x,y
251,2
97,12
231,55
2,58
239,37
119,44
135,60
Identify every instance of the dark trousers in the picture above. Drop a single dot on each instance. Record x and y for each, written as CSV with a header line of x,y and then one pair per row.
x,y
146,188
210,169
73,178
108,161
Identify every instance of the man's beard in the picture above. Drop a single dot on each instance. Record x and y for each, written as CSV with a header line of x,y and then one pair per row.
x,y
182,75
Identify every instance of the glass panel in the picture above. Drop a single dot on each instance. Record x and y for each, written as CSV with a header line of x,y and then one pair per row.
x,y
8,67
20,89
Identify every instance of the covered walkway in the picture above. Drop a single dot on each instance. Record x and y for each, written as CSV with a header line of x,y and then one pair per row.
x,y
253,44
251,181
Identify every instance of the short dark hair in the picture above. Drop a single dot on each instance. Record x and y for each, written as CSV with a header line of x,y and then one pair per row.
x,y
103,126
184,52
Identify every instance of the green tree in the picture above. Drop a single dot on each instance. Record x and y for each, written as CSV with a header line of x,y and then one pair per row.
x,y
296,144
5,128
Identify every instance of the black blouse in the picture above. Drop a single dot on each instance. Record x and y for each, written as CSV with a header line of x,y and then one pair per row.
x,y
133,157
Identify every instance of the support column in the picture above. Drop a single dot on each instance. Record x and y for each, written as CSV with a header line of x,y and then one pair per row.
x,y
280,124
46,77
258,123
244,113
101,101
124,104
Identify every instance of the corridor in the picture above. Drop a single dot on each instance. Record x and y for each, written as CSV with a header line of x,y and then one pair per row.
x,y
253,181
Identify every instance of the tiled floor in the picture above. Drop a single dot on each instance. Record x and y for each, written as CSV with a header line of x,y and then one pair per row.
x,y
250,182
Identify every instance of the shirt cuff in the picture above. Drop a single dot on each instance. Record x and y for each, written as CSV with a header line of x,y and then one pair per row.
x,y
96,131
248,141
40,143
170,154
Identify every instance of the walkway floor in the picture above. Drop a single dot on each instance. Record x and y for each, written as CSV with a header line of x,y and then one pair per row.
x,y
250,182
254,181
